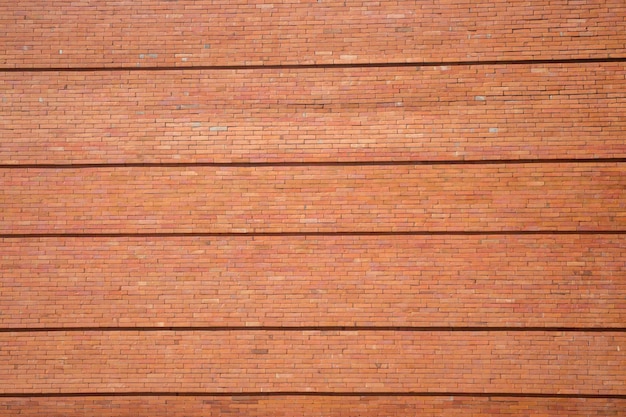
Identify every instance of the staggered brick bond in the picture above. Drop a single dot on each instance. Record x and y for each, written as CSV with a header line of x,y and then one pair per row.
x,y
566,196
456,281
248,32
333,406
309,361
279,143
357,114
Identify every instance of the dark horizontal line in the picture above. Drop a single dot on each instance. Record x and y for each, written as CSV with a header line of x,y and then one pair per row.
x,y
262,394
312,163
312,234
319,66
314,328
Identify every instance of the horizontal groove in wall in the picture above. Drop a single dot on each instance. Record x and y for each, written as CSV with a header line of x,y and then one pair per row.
x,y
311,394
312,329
287,234
320,66
312,164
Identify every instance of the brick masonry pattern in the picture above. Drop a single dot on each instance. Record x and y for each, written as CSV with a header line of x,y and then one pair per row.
x,y
246,167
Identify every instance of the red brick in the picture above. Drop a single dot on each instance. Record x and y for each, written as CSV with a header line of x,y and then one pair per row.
x,y
549,197
156,82
151,33
516,280
290,405
359,114
313,361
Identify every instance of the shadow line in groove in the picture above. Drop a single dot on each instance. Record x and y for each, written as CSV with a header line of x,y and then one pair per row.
x,y
310,234
288,164
311,394
415,329
318,66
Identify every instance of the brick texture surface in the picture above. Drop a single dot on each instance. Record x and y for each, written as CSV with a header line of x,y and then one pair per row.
x,y
335,406
312,207
567,196
309,361
250,32
355,114
560,281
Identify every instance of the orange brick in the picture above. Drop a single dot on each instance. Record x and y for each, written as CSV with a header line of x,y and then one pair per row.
x,y
510,280
308,115
381,198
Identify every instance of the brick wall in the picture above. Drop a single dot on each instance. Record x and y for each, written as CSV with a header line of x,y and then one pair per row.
x,y
154,33
461,280
447,113
312,208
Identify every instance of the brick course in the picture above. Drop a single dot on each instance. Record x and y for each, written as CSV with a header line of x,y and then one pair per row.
x,y
340,114
254,32
395,280
334,406
310,361
567,196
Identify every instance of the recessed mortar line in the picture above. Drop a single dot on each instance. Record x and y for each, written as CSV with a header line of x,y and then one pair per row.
x,y
261,394
415,329
320,65
311,234
288,164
